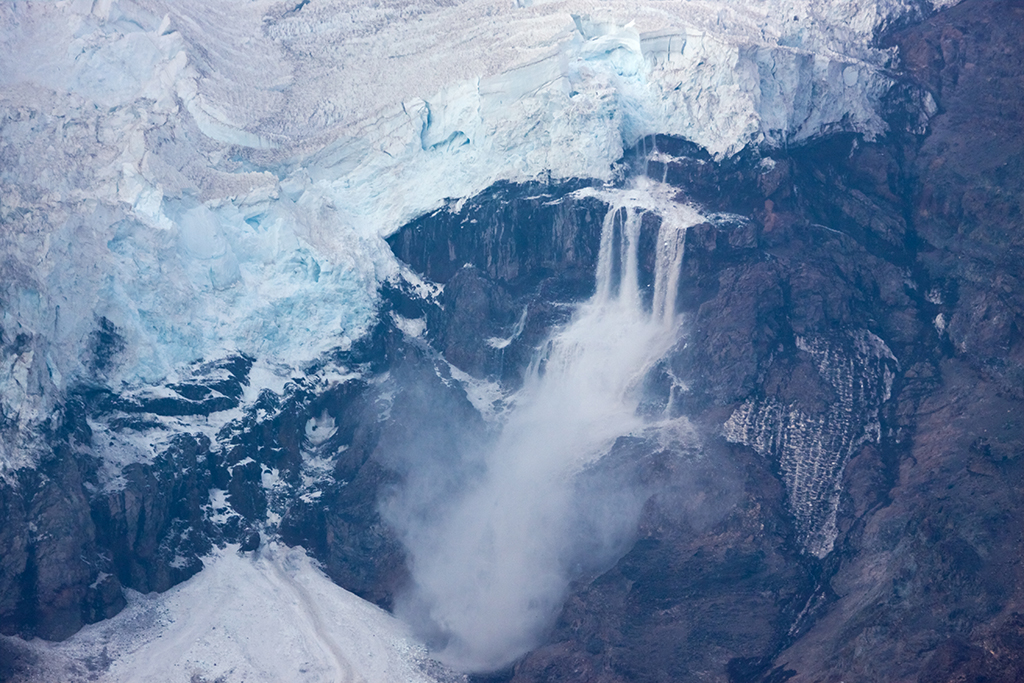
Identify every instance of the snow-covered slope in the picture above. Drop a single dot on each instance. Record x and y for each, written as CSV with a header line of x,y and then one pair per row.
x,y
265,617
182,180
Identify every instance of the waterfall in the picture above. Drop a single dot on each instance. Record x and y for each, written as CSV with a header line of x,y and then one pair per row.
x,y
491,570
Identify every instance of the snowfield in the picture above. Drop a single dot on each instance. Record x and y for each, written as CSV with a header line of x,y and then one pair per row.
x,y
267,616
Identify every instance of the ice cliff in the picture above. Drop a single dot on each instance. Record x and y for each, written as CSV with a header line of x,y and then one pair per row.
x,y
180,181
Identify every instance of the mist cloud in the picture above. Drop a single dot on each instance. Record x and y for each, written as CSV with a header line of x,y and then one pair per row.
x,y
496,527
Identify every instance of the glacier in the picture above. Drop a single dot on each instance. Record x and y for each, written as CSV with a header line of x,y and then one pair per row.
x,y
194,180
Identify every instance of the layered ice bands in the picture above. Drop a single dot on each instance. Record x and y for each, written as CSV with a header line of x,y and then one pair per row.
x,y
184,180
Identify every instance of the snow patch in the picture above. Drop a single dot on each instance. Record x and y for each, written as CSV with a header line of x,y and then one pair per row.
x,y
487,397
320,429
412,327
268,616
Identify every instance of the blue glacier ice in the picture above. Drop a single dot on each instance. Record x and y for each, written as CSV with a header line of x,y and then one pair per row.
x,y
213,178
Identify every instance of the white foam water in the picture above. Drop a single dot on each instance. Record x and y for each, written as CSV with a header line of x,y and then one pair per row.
x,y
492,569
262,617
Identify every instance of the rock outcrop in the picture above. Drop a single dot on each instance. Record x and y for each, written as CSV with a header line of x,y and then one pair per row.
x,y
823,338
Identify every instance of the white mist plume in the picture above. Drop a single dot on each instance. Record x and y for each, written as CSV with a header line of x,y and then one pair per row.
x,y
490,570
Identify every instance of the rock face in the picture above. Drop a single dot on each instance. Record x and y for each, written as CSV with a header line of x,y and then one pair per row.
x,y
831,332
853,363
932,587
855,341
53,573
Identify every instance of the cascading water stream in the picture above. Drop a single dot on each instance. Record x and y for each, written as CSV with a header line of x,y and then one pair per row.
x,y
491,571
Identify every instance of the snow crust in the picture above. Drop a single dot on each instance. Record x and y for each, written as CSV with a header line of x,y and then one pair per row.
x,y
267,616
217,177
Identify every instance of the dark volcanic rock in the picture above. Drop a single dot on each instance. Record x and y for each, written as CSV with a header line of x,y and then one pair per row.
x,y
517,235
531,250
54,578
153,525
473,311
711,578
